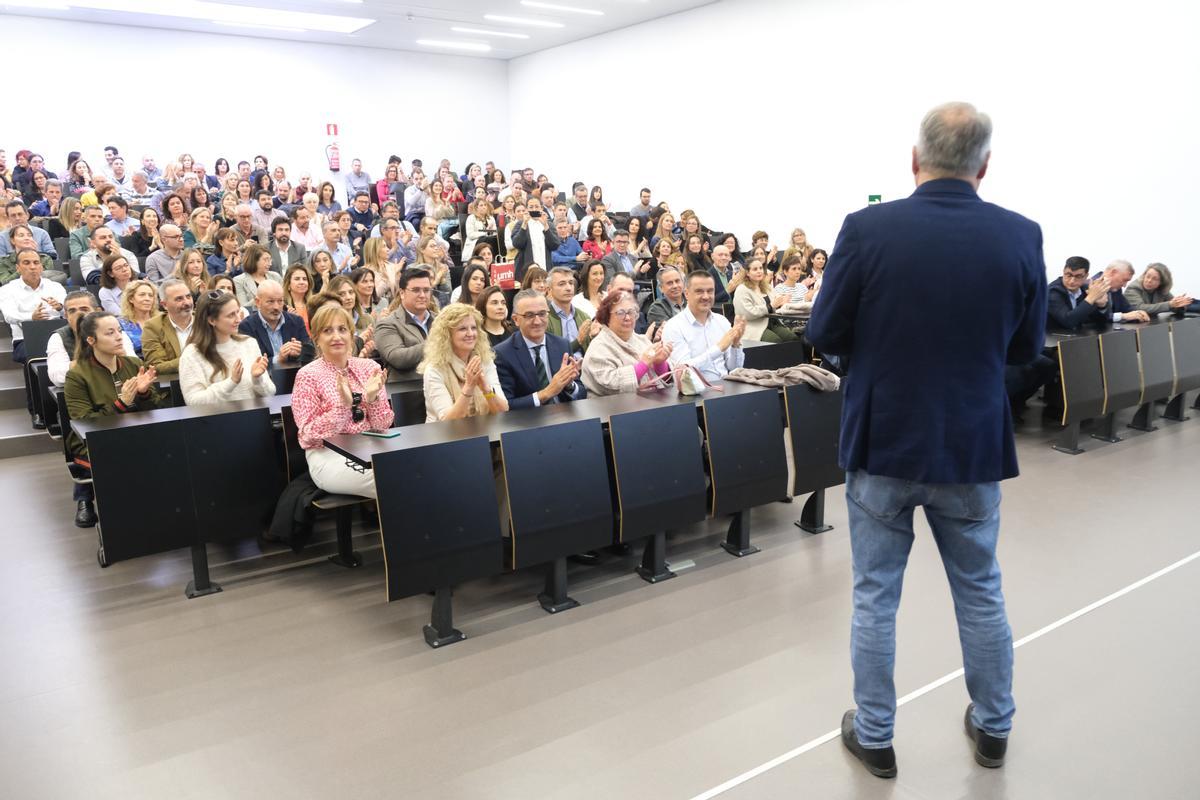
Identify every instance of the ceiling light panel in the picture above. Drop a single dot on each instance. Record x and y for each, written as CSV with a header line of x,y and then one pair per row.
x,y
474,47
564,9
229,14
533,23
482,32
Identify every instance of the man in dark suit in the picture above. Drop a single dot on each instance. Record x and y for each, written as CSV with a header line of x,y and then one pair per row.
x,y
925,417
1117,276
280,334
1072,302
535,367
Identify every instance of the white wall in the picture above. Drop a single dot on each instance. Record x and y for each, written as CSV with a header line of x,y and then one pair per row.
x,y
384,102
1096,107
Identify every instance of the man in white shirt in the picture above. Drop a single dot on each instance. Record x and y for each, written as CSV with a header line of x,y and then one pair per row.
x,y
29,298
342,254
702,339
60,349
103,244
263,213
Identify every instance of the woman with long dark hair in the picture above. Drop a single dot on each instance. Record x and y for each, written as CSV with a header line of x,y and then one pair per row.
x,y
218,363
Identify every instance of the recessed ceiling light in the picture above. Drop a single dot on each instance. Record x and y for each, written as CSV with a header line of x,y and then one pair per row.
x,y
567,9
258,27
222,12
481,32
533,23
475,47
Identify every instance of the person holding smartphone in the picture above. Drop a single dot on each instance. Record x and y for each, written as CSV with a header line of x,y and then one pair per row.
x,y
532,238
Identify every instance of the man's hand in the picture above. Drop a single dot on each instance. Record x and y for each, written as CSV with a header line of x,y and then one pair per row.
x,y
290,349
566,375
40,312
733,336
1098,292
50,301
1135,316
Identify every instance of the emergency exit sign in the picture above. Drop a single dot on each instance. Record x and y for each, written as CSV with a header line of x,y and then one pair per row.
x,y
874,199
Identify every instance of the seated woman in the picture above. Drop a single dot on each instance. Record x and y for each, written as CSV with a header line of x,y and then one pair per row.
x,y
1152,293
589,294
322,269
619,360
795,286
460,372
144,240
493,306
387,272
335,394
257,262
218,363
104,382
192,271
21,237
224,283
344,290
753,302
139,305
536,279
227,257
816,269
364,287
474,280
597,244
115,274
297,289
201,230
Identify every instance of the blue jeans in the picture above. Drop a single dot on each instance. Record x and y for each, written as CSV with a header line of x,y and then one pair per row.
x,y
965,519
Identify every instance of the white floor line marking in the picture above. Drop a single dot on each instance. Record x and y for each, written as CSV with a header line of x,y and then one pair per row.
x,y
942,681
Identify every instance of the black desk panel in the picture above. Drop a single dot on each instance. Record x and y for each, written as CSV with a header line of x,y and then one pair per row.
x,y
775,356
746,457
1082,379
143,489
36,334
658,463
408,404
558,491
234,473
1185,336
1122,371
1158,367
815,425
438,516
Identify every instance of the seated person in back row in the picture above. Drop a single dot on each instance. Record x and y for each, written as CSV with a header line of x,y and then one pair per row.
x,y
536,367
1072,303
1118,274
400,336
280,334
1152,293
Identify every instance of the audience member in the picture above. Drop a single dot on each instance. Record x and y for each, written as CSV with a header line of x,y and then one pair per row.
x,y
459,372
1072,302
247,231
480,224
597,245
338,394
536,368
192,270
226,258
566,319
50,202
297,291
164,336
531,237
139,303
16,214
619,261
493,307
700,338
115,274
102,244
569,252
536,279
592,278
670,301
280,334
22,239
474,280
753,302
218,363
1151,293
619,359
162,263
30,297
60,347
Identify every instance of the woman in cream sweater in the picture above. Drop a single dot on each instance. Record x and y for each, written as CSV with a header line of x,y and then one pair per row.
x,y
219,364
752,301
618,360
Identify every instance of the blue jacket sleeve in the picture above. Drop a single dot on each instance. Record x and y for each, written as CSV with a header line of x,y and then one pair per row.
x,y
508,380
1030,337
835,312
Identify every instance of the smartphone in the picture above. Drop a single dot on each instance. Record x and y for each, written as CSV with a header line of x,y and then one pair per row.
x,y
382,434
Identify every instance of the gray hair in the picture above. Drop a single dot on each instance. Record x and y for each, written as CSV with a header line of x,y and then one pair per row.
x,y
560,270
79,295
57,184
663,270
527,294
955,139
1122,265
240,207
167,285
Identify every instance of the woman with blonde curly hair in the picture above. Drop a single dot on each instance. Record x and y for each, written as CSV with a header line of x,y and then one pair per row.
x,y
459,369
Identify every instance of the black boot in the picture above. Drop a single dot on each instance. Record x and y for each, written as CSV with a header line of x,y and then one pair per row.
x,y
85,514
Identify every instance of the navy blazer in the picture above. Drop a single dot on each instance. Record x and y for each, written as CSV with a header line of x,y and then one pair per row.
x,y
1061,315
514,366
293,328
930,297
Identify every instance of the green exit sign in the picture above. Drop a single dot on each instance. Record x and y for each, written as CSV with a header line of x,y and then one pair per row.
x,y
874,199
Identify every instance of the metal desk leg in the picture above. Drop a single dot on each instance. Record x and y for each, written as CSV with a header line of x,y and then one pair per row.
x,y
554,599
200,585
812,517
1143,420
1107,430
1068,440
1177,408
654,559
737,541
441,631
346,557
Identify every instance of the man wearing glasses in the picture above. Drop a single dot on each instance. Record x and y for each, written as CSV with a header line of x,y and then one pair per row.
x,y
160,264
536,368
400,336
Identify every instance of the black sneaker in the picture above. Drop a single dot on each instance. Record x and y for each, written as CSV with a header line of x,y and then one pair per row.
x,y
880,762
989,750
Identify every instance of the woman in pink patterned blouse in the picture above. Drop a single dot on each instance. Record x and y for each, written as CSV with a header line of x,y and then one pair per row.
x,y
338,394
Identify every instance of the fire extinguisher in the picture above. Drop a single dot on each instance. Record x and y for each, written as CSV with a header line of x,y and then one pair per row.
x,y
333,157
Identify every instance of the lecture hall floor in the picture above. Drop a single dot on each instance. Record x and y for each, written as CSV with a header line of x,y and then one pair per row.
x,y
298,681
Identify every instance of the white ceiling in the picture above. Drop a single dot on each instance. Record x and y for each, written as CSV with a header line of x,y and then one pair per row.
x,y
397,26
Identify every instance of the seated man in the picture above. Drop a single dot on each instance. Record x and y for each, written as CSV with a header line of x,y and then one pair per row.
x,y
1072,303
362,219
60,349
620,261
536,368
165,335
284,252
244,225
567,321
1118,274
48,205
670,303
80,238
722,273
31,297
141,192
263,213
400,336
103,244
569,252
702,339
303,232
333,244
160,264
120,223
19,215
280,334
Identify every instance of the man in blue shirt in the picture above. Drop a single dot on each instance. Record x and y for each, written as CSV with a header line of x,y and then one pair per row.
x,y
925,418
569,252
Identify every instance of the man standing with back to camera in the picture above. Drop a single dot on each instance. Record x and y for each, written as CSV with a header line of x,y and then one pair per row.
x,y
926,421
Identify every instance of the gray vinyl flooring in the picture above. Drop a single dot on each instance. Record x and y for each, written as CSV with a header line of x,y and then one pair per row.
x,y
298,681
